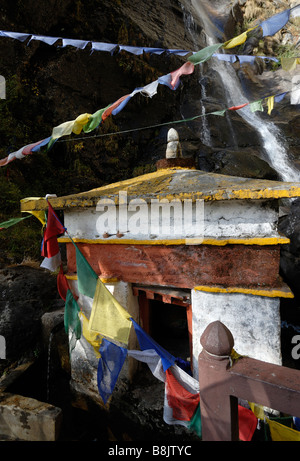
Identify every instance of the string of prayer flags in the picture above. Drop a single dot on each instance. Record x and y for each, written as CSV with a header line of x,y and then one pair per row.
x,y
146,342
71,320
112,358
20,153
108,317
12,222
50,247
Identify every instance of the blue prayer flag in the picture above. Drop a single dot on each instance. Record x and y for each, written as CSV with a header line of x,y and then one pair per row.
x,y
275,23
109,367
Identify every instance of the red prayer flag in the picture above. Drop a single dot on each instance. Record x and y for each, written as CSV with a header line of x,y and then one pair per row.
x,y
109,110
186,69
62,284
54,228
238,107
182,402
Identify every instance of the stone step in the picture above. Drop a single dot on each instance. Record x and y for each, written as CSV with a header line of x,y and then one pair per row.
x,y
27,419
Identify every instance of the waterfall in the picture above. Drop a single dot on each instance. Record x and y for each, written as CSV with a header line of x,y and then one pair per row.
x,y
272,141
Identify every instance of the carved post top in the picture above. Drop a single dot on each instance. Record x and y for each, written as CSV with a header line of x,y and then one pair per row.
x,y
217,340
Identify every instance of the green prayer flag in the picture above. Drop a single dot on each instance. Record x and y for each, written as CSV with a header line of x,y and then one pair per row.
x,y
94,120
204,54
87,277
71,319
12,222
195,424
256,105
218,112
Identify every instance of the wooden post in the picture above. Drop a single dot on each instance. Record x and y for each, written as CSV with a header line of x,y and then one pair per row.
x,y
219,410
222,383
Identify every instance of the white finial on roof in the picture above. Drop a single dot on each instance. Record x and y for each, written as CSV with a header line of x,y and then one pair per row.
x,y
173,147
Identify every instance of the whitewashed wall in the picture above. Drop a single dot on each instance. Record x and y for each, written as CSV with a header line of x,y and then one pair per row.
x,y
254,322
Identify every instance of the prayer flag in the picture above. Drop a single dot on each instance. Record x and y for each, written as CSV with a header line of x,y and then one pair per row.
x,y
113,106
281,433
87,277
62,284
12,222
45,39
204,54
247,423
71,320
236,41
79,122
94,120
273,24
50,247
289,64
81,44
256,106
186,69
238,107
270,103
101,46
112,358
94,339
182,401
146,342
53,229
16,35
108,317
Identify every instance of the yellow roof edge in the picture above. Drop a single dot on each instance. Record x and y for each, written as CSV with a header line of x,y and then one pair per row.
x,y
181,241
283,292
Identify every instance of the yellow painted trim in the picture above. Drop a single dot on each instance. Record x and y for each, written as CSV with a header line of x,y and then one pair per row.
x,y
270,293
187,241
103,279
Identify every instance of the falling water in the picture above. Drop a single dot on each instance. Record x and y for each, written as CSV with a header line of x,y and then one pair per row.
x,y
48,365
270,135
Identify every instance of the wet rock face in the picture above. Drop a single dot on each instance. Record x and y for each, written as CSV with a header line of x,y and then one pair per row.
x,y
26,293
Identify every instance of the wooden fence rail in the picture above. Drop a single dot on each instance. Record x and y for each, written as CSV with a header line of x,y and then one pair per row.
x,y
222,381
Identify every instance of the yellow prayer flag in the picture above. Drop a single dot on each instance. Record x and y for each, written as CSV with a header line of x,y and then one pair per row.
x,y
289,64
108,317
94,339
270,102
239,40
281,433
258,410
63,129
79,122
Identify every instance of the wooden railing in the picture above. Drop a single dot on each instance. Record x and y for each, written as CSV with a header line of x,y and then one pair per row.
x,y
222,381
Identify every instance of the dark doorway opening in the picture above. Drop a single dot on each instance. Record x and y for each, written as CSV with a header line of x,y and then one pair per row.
x,y
166,315
169,328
